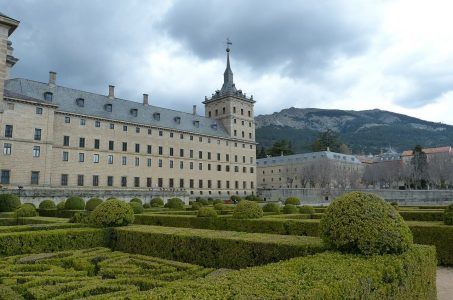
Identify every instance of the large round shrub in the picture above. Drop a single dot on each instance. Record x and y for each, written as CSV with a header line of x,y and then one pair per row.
x,y
92,204
26,210
202,201
290,209
75,203
206,212
448,215
136,207
196,205
29,204
9,202
220,206
217,201
235,198
175,203
271,207
306,209
137,200
247,210
112,213
61,205
47,204
364,223
156,202
292,200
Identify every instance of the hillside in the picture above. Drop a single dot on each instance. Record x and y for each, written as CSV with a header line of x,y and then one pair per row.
x,y
366,131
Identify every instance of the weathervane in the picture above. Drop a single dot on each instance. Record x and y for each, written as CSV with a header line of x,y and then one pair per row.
x,y
228,43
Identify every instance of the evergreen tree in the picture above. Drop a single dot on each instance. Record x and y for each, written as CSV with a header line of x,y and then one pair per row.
x,y
282,147
328,139
261,153
419,163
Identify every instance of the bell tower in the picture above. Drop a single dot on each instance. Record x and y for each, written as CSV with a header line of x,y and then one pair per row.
x,y
231,106
7,27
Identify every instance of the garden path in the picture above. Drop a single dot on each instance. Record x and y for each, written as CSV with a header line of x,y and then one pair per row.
x,y
444,283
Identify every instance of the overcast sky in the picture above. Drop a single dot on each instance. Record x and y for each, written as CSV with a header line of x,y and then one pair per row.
x,y
392,55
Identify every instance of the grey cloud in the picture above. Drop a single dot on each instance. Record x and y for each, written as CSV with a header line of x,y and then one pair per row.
x,y
304,36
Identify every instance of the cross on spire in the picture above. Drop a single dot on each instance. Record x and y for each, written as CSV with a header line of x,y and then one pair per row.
x,y
228,84
228,44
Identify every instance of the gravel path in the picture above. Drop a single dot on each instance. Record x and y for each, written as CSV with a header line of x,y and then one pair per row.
x,y
444,283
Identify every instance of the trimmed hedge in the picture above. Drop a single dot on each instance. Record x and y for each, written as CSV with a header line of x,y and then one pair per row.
x,y
137,200
32,220
136,207
207,212
9,202
306,209
156,202
51,240
174,203
290,209
448,215
26,211
112,213
247,210
292,200
218,249
271,207
322,276
47,204
74,203
93,203
32,227
420,215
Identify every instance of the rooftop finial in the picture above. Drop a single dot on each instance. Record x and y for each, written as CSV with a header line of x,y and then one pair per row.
x,y
228,43
228,85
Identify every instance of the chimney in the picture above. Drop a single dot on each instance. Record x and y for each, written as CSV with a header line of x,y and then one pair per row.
x,y
328,149
111,91
145,99
52,77
194,110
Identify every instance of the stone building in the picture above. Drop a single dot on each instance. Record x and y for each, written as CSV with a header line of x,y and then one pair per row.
x,y
59,137
323,169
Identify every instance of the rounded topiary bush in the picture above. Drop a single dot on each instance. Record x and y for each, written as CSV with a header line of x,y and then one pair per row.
x,y
202,201
364,223
137,200
156,202
175,203
306,209
247,210
217,201
9,202
271,207
29,204
92,204
196,205
290,209
112,213
448,215
292,200
235,198
220,206
26,210
206,212
136,207
47,204
61,205
80,217
75,203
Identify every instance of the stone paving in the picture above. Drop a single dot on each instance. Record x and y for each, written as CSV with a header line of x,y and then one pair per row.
x,y
444,283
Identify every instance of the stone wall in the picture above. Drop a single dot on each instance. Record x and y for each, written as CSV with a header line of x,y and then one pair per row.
x,y
323,197
36,195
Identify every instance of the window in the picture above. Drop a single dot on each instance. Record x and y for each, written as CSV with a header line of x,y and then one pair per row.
x,y
242,111
160,182
216,112
171,134
123,160
48,96
235,132
81,157
7,149
236,184
161,133
243,159
219,168
171,151
82,122
209,167
65,156
191,153
149,131
200,166
111,145
160,163
244,185
137,161
161,150
67,119
137,181
108,107
200,184
82,142
200,154
181,136
36,151
236,169
96,158
234,121
171,164
218,156
236,158
10,106
97,123
191,165
5,177
234,109
228,184
124,127
137,148
149,148
209,155
95,180
227,168
149,162
66,140
223,110
137,129
191,137
109,180
191,183
64,179
80,180
209,114
181,152
181,183
124,146
171,183
200,139
123,181
251,170
9,131
110,159
149,182
181,165
227,157
112,126
252,185
156,117
209,184
39,110
80,102
96,143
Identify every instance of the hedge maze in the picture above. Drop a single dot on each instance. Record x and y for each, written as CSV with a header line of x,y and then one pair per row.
x,y
111,249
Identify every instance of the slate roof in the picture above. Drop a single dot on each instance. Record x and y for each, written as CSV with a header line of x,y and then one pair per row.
x,y
446,149
299,158
94,105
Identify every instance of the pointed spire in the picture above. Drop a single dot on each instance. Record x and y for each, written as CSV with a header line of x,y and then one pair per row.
x,y
228,84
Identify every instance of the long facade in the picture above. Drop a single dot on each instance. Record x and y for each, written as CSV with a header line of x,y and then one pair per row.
x,y
54,136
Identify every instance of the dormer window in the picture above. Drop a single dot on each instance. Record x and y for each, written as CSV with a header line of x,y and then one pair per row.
x,y
177,120
156,116
214,126
134,112
196,123
48,96
108,107
80,102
